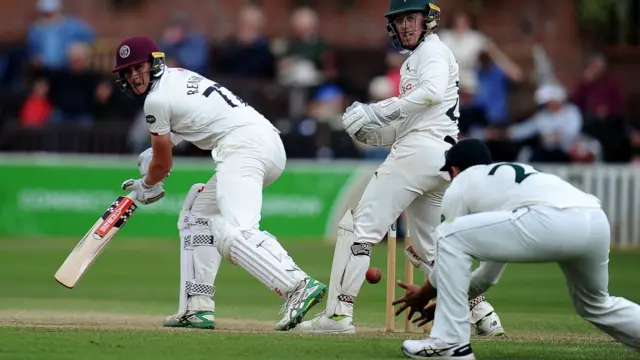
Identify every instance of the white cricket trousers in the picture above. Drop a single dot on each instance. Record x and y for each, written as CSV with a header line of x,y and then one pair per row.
x,y
578,239
247,159
409,179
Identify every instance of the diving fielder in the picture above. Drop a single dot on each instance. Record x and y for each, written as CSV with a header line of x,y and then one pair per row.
x,y
220,218
420,125
509,212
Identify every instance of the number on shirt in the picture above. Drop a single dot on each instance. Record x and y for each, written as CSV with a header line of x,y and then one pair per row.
x,y
230,98
521,175
451,113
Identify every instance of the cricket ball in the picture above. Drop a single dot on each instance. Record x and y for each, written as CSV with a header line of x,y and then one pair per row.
x,y
373,275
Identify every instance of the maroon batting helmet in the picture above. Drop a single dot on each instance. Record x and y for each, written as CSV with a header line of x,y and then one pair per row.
x,y
137,50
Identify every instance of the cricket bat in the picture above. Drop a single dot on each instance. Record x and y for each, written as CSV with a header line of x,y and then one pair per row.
x,y
95,240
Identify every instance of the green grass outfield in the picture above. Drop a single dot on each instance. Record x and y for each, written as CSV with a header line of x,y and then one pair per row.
x,y
116,309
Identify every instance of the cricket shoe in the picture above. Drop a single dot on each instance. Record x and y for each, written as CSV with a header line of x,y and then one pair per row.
x,y
306,295
434,348
322,324
483,318
489,326
192,319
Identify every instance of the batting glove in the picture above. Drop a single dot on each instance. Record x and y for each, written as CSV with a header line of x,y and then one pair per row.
x,y
144,160
145,194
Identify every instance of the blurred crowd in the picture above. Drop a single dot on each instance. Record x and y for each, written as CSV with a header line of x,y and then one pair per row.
x,y
52,81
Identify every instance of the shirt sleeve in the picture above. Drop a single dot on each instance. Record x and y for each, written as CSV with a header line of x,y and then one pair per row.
x,y
485,276
157,115
433,71
453,204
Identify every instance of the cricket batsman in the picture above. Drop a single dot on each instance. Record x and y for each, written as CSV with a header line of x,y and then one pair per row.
x,y
220,218
420,126
526,217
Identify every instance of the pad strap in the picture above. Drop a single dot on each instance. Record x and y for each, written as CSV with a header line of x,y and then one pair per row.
x,y
193,288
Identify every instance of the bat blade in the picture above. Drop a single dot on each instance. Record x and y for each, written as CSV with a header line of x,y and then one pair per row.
x,y
95,240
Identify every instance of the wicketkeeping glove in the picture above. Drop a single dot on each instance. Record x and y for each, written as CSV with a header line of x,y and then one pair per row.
x,y
360,119
145,194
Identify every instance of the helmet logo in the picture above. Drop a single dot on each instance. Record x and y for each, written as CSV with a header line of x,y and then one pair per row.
x,y
125,51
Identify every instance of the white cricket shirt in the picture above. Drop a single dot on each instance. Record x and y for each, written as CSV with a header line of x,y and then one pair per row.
x,y
196,109
508,186
429,90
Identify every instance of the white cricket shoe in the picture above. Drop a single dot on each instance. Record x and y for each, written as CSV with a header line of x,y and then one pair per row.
x,y
434,348
306,295
489,326
322,324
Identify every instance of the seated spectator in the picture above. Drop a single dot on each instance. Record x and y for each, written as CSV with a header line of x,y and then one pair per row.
x,y
306,49
600,97
76,92
185,47
247,53
319,134
37,109
50,37
554,128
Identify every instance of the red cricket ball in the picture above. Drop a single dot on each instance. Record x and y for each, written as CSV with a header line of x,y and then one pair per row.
x,y
373,275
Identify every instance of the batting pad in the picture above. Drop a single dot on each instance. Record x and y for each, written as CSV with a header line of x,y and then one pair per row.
x,y
350,263
274,269
199,259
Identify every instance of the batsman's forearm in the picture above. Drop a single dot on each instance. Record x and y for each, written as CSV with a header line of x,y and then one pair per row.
x,y
156,174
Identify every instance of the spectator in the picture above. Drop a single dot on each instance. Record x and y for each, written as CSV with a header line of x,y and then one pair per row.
x,y
556,126
37,109
305,49
75,93
467,45
491,108
599,96
185,47
319,134
50,37
493,88
247,54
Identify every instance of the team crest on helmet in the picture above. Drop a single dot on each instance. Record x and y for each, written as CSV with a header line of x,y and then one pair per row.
x,y
125,51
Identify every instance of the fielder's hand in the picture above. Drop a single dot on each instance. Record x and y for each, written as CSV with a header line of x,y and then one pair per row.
x,y
416,300
426,315
144,194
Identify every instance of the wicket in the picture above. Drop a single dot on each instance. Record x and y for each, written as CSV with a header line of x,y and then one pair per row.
x,y
391,277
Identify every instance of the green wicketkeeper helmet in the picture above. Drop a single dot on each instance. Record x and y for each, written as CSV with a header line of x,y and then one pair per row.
x,y
428,7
